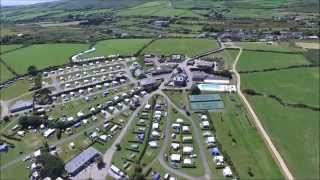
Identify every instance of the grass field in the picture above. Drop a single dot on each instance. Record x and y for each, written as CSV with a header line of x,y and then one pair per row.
x,y
17,171
190,47
5,73
295,132
293,86
157,8
18,88
253,60
280,47
247,150
118,46
41,55
5,48
228,56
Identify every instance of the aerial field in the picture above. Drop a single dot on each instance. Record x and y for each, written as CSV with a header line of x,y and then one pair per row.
x,y
295,133
256,60
6,48
118,46
294,130
41,55
18,88
280,47
299,85
189,47
5,73
156,8
240,139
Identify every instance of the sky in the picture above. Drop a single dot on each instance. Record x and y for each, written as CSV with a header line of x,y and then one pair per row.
x,y
21,2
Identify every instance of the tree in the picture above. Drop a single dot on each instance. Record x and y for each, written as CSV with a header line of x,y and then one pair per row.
x,y
33,121
32,70
195,90
52,166
45,147
6,118
38,81
137,175
58,133
118,147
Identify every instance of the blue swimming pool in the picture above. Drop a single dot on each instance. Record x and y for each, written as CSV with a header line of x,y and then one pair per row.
x,y
211,87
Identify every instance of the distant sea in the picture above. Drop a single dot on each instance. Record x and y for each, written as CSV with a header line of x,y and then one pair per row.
x,y
5,3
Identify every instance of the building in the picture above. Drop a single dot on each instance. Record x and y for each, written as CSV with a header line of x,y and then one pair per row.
x,y
20,106
204,65
161,23
147,83
81,161
176,58
180,80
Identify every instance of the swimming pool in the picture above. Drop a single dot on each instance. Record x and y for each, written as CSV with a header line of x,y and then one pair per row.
x,y
217,87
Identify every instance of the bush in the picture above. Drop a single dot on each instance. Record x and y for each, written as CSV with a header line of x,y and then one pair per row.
x,y
52,166
195,90
33,121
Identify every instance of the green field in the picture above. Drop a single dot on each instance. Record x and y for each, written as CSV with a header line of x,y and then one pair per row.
x,y
228,56
295,132
254,60
241,141
6,48
280,47
293,86
156,8
189,47
5,73
42,56
18,88
118,46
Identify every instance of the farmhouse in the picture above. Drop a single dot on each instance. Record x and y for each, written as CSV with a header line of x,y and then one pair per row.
x,y
79,162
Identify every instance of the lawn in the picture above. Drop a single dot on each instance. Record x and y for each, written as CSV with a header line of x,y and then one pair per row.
x,y
16,89
280,47
118,46
295,133
293,86
156,8
228,56
16,171
241,141
5,73
294,130
42,56
253,60
189,47
6,48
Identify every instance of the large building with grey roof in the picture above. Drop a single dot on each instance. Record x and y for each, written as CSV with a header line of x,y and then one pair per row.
x,y
81,161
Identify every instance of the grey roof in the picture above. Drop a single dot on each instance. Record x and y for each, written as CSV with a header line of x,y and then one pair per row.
x,y
205,97
204,63
76,163
147,81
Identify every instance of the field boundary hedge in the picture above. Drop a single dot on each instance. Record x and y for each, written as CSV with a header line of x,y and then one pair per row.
x,y
282,68
252,92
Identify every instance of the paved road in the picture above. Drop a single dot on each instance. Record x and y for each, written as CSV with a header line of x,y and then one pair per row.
x,y
275,153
